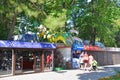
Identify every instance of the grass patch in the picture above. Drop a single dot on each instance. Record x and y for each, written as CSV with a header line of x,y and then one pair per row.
x,y
115,77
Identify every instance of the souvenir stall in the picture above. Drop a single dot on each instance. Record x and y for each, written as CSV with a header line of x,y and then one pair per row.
x,y
18,57
77,47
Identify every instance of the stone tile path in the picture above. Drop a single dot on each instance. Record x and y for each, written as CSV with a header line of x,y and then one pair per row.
x,y
74,74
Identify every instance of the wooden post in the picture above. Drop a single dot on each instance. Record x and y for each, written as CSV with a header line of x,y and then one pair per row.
x,y
13,62
34,63
42,62
21,63
52,52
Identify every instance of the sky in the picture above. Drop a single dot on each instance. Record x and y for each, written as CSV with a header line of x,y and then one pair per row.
x,y
88,0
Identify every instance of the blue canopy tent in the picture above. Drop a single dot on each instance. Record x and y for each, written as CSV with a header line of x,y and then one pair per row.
x,y
15,46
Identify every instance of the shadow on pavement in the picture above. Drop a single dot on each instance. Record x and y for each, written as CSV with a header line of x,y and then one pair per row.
x,y
100,73
60,71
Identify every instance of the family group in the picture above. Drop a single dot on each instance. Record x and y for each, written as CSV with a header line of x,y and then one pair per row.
x,y
87,62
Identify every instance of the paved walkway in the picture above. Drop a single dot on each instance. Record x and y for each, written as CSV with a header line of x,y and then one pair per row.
x,y
75,74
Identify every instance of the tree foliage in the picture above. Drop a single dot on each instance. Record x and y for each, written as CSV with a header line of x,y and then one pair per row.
x,y
56,23
34,9
95,20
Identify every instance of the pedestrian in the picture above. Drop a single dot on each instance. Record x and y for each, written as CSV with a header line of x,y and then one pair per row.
x,y
90,61
94,64
81,60
48,60
85,59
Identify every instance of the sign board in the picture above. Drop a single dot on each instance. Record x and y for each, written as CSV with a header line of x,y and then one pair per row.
x,y
19,44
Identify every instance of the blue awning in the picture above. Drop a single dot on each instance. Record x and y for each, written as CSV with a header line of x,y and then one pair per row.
x,y
77,46
19,44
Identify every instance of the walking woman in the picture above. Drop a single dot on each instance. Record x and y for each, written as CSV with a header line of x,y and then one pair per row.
x,y
90,62
85,59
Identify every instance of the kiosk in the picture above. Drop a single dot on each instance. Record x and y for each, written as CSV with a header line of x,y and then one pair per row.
x,y
77,47
18,57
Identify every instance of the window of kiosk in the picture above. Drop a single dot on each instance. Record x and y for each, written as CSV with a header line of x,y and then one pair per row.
x,y
19,58
5,62
37,54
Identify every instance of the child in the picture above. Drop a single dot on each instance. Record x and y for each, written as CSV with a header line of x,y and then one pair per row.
x,y
94,64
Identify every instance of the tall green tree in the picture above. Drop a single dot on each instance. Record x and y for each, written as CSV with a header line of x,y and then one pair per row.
x,y
34,9
94,20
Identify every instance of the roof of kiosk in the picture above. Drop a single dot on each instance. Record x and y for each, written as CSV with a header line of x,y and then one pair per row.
x,y
19,44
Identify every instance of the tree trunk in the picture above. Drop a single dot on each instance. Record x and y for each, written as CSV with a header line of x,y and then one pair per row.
x,y
93,33
12,27
93,36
